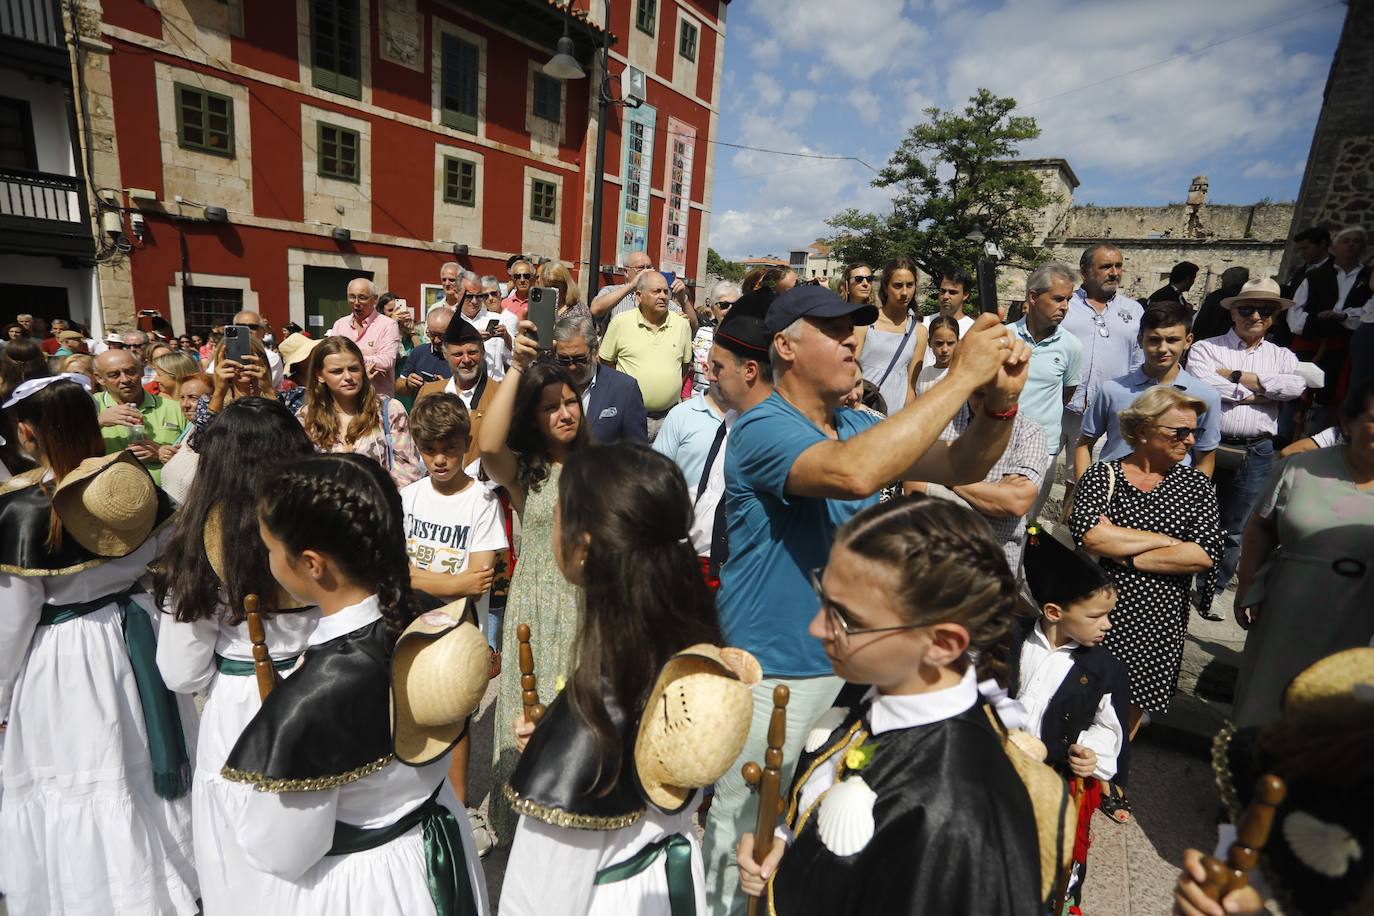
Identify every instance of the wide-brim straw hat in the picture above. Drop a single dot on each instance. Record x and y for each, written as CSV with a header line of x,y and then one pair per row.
x,y
439,672
213,536
295,348
695,722
1332,681
1260,291
108,504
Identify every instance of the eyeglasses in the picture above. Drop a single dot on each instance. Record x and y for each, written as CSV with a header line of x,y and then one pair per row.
x,y
255,327
573,362
363,297
1249,311
489,294
861,278
1102,330
724,304
838,627
522,276
1179,433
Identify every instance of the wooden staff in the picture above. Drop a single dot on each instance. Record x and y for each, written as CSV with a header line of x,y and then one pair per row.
x,y
529,694
262,661
1255,824
767,781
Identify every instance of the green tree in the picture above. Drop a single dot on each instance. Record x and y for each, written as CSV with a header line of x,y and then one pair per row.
x,y
952,174
730,270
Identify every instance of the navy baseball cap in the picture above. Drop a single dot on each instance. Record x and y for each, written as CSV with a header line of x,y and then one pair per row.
x,y
809,301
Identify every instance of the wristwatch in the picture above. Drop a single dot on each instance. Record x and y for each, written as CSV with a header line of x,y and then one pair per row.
x,y
1129,563
1235,377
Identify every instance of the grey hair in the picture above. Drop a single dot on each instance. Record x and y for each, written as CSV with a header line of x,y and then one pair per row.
x,y
644,277
489,280
1043,277
371,287
1356,232
792,332
138,337
1085,261
458,268
468,276
723,287
576,326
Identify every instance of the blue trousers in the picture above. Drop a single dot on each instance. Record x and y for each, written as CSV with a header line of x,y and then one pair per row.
x,y
1237,492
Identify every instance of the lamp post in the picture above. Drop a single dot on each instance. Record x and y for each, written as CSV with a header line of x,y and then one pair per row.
x,y
987,272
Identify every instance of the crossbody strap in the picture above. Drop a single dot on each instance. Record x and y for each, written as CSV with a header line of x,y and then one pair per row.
x,y
386,430
910,327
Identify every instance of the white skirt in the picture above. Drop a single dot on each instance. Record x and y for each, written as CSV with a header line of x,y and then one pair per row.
x,y
391,879
81,828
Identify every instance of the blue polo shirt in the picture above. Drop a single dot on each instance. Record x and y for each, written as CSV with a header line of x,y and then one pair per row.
x,y
766,600
686,436
1115,395
1056,363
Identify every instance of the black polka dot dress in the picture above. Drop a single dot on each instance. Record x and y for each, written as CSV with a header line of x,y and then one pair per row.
x,y
1151,616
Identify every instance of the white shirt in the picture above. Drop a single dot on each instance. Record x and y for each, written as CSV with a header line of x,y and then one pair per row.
x,y
497,350
965,323
1345,282
1244,413
444,530
704,512
1043,669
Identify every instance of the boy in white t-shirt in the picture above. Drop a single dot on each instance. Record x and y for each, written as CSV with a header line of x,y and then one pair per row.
x,y
454,532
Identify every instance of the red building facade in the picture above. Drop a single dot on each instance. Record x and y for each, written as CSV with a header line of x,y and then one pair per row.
x,y
268,152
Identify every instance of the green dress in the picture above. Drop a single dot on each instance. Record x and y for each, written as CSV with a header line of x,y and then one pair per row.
x,y
1315,593
542,598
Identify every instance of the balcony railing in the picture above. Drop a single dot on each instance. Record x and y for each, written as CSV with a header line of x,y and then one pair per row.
x,y
38,21
41,196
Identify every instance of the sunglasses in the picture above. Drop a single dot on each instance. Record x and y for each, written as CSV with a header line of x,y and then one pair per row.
x,y
573,362
1179,433
1249,311
522,276
490,294
861,278
724,304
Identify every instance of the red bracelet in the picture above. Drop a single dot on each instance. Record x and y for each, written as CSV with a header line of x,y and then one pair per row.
x,y
1005,415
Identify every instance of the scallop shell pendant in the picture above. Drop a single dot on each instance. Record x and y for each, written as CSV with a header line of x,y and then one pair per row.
x,y
822,728
845,823
1327,849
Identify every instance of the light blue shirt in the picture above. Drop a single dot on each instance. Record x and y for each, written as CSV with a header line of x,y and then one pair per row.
x,y
1115,395
686,436
766,600
1110,347
1056,363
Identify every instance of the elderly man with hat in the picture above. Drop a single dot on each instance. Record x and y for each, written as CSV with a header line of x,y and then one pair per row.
x,y
464,350
798,466
1253,376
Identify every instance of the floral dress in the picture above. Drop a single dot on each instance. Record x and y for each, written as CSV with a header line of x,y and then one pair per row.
x,y
389,445
1151,616
542,598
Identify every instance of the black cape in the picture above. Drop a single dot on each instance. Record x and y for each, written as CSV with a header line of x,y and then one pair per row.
x,y
954,831
24,515
553,778
326,725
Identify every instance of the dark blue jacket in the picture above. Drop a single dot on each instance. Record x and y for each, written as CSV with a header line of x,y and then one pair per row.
x,y
616,408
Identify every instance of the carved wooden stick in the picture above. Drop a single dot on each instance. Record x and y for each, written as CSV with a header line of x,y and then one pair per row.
x,y
767,781
262,661
529,693
1251,835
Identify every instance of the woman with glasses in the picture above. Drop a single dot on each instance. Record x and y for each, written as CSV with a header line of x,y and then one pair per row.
x,y
534,424
1153,522
723,297
893,348
859,284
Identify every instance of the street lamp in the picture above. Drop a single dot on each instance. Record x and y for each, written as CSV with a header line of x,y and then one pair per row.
x,y
986,270
563,65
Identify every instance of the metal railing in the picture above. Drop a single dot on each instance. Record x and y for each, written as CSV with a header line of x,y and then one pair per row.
x,y
41,195
39,21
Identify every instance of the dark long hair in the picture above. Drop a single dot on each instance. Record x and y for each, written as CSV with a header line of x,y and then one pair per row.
x,y
248,440
526,438
644,597
63,417
345,507
949,568
20,361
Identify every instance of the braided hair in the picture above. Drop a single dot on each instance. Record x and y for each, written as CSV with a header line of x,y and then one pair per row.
x,y
345,507
949,568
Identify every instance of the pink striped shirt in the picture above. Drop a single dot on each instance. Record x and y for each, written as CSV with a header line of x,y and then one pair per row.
x,y
1243,412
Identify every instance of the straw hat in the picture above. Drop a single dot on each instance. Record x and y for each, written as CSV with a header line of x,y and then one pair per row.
x,y
1259,291
438,676
695,722
108,504
295,348
213,536
1341,678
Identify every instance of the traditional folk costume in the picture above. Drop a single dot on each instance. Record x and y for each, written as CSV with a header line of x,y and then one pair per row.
x,y
328,807
633,849
908,805
1072,694
94,816
214,658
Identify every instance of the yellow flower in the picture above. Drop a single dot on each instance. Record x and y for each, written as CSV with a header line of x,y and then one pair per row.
x,y
853,759
559,683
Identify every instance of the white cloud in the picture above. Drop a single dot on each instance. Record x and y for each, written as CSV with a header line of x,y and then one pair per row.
x,y
857,38
865,104
767,90
1268,169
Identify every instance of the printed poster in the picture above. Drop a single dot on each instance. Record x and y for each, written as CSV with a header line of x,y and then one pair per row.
x,y
636,175
682,140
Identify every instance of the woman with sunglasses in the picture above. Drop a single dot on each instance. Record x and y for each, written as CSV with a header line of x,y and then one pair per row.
x,y
859,284
1153,522
723,297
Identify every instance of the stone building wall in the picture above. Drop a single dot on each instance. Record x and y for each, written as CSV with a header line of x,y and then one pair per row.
x,y
1222,221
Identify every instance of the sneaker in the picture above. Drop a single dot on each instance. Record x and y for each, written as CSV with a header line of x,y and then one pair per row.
x,y
483,837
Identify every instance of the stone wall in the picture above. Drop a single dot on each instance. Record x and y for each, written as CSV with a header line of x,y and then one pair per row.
x,y
1264,221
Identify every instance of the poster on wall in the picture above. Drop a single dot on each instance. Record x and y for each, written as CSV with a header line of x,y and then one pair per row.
x,y
682,141
636,174
431,294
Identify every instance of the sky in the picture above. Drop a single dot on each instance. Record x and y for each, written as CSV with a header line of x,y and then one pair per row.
x,y
1226,88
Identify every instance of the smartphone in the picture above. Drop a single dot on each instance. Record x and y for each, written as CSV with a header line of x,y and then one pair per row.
x,y
492,326
402,304
428,376
671,277
542,311
236,345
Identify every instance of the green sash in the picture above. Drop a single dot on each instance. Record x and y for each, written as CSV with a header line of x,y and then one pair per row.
x,y
237,668
678,854
445,864
166,743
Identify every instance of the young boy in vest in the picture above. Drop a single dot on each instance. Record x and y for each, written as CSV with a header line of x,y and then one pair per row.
x,y
1076,694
